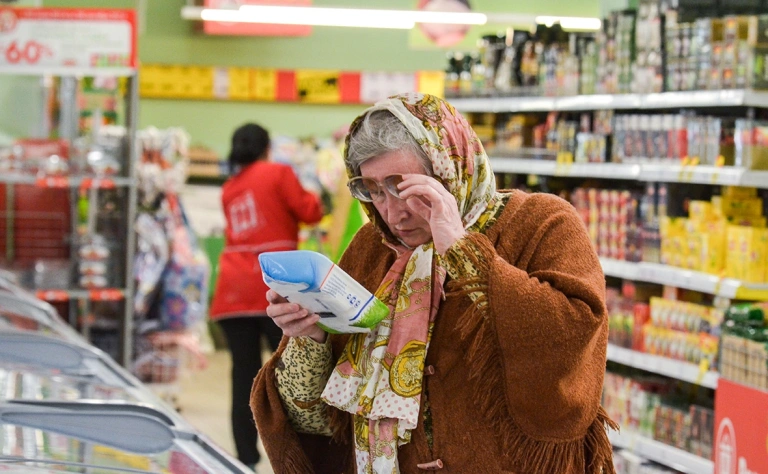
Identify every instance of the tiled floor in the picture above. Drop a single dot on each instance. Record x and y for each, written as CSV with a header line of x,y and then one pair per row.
x,y
204,401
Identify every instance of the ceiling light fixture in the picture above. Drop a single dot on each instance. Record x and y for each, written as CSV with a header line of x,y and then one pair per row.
x,y
322,16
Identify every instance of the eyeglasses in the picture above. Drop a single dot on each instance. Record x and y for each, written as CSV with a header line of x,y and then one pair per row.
x,y
369,190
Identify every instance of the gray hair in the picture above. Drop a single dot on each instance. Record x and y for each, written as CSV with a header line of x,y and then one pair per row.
x,y
381,132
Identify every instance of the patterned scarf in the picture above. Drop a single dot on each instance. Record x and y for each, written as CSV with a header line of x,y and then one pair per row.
x,y
379,376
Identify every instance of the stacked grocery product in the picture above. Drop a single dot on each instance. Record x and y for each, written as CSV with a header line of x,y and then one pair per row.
x,y
668,322
744,356
643,50
613,219
683,330
726,236
661,409
713,53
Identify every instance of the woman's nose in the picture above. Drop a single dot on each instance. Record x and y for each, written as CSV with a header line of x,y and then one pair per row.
x,y
395,208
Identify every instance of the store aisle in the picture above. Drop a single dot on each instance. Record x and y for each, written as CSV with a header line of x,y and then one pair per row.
x,y
204,402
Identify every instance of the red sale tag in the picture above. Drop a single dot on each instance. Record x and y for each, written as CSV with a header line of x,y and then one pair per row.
x,y
52,182
109,294
741,431
30,52
53,295
98,183
96,38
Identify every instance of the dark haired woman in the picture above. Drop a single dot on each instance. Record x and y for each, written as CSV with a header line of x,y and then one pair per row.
x,y
263,204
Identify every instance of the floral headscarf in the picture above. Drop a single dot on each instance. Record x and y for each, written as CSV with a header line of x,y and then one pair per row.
x,y
379,376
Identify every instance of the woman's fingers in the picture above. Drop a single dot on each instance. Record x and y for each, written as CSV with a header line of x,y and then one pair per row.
x,y
419,207
273,297
412,179
300,327
432,196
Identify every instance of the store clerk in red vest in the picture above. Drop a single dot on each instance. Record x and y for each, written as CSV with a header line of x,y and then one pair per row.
x,y
263,204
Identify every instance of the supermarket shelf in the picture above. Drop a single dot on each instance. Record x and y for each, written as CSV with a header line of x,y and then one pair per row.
x,y
723,176
552,168
663,100
68,71
682,278
66,181
104,294
656,172
684,371
661,453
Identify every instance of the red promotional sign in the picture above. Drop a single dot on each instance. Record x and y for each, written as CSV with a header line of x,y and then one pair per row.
x,y
255,29
67,38
741,429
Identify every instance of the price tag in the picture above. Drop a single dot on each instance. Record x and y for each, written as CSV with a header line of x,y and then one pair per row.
x,y
149,81
238,83
563,165
703,370
318,87
98,183
67,38
57,182
263,85
431,82
109,294
376,86
53,295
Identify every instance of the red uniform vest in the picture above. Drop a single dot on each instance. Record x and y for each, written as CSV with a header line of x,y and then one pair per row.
x,y
263,206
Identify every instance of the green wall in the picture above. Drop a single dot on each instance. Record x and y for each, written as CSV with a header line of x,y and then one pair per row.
x,y
167,39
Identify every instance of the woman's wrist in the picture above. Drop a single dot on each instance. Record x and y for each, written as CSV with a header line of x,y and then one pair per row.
x,y
447,241
319,337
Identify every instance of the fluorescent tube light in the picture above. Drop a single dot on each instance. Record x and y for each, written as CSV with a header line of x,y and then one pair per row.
x,y
571,22
305,18
358,16
321,16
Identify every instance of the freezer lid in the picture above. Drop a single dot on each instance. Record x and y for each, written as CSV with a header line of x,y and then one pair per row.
x,y
47,352
29,314
121,428
28,382
106,436
19,381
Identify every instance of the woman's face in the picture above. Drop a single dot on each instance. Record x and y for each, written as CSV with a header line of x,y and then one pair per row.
x,y
403,223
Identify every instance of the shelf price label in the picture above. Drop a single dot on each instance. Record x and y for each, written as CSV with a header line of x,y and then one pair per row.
x,y
55,296
109,294
57,182
98,183
67,38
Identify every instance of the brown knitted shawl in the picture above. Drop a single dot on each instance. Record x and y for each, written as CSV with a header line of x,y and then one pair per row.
x,y
519,373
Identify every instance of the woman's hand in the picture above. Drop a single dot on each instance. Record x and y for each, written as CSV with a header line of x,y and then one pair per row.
x,y
294,320
429,199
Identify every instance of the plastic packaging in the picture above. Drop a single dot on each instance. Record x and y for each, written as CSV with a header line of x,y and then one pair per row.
x,y
311,280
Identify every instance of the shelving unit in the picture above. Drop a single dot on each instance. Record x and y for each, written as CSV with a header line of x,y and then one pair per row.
x,y
661,453
102,294
651,172
642,171
675,369
105,47
663,100
86,182
682,278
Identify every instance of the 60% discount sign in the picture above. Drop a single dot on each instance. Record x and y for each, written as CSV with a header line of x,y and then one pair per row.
x,y
25,52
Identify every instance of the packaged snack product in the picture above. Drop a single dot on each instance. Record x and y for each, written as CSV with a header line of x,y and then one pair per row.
x,y
311,280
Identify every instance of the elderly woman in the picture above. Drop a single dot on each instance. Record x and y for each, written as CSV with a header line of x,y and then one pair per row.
x,y
493,354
